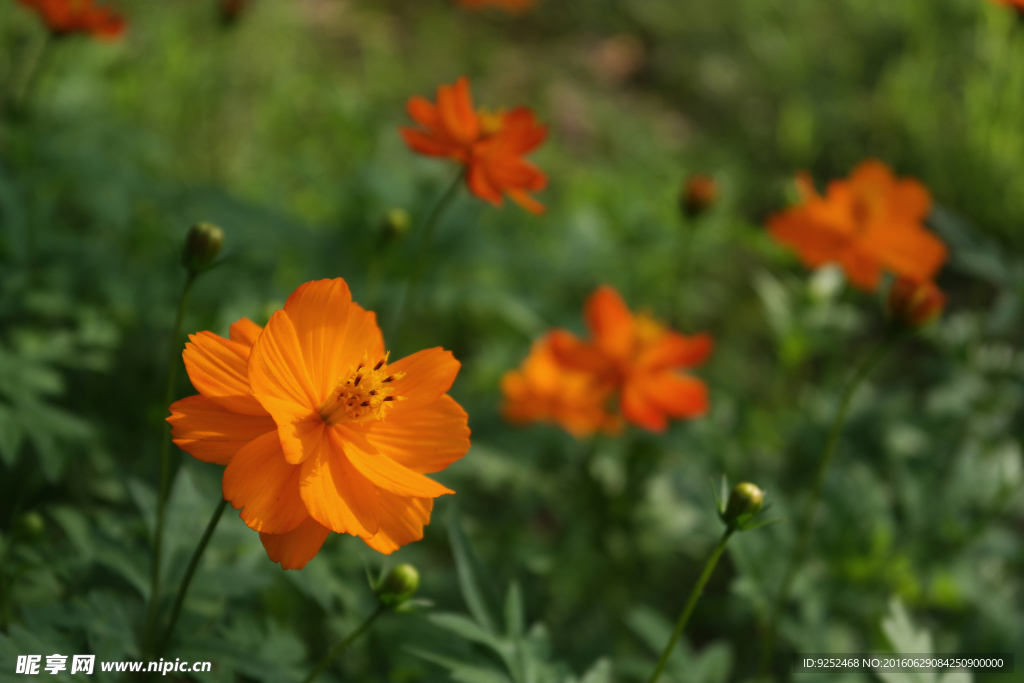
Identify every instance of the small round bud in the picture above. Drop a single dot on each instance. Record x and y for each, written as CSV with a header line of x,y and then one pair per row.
x,y
231,10
744,505
399,585
700,192
395,224
31,525
914,304
202,244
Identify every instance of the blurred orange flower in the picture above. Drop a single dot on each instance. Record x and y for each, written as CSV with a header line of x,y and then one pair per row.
x,y
868,223
64,17
1016,4
544,390
489,145
318,430
640,359
514,6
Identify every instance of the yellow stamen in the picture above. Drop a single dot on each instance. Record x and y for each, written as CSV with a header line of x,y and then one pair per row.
x,y
365,393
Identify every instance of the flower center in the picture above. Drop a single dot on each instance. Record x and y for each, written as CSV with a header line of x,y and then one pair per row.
x,y
364,394
491,122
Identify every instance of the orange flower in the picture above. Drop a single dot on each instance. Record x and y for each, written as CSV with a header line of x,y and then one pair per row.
x,y
318,430
231,10
489,145
640,358
544,390
868,223
915,304
514,6
700,192
64,17
1016,4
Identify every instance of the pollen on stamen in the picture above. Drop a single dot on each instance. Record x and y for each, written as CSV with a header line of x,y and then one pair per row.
x,y
357,395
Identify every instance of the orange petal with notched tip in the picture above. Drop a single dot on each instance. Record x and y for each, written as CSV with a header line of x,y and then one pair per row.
x,y
297,547
333,333
424,440
217,369
259,481
429,374
401,521
244,332
277,367
209,432
381,470
337,495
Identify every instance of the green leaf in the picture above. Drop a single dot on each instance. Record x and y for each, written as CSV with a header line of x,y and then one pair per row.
x,y
600,672
514,617
461,671
468,570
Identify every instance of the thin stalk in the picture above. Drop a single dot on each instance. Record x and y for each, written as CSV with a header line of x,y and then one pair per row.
x,y
408,296
192,564
695,594
340,647
33,71
807,519
682,270
165,467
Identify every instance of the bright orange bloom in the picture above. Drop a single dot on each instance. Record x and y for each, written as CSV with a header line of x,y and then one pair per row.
x,y
1016,4
544,390
490,145
640,358
318,430
868,223
514,6
915,304
64,17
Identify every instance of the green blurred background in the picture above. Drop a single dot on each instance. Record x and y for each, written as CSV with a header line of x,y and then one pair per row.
x,y
282,128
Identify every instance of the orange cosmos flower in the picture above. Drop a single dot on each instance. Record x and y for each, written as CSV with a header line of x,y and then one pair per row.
x,y
514,6
544,390
1016,4
868,223
319,431
489,145
64,17
640,358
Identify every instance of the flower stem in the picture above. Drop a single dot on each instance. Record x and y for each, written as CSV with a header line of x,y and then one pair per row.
x,y
192,564
409,294
695,594
340,647
807,519
682,269
33,70
165,467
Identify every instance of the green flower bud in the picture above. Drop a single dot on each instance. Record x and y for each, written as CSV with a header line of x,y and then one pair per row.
x,y
31,525
745,502
399,585
395,224
202,244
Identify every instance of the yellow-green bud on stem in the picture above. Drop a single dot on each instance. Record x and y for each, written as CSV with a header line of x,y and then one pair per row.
x,y
31,525
395,224
202,244
399,585
745,502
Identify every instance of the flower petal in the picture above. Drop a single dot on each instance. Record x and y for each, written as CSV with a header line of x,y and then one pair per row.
x,y
300,429
217,369
401,521
381,470
259,481
424,440
333,333
429,374
676,350
637,408
610,322
277,367
297,547
677,395
211,433
336,494
245,332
